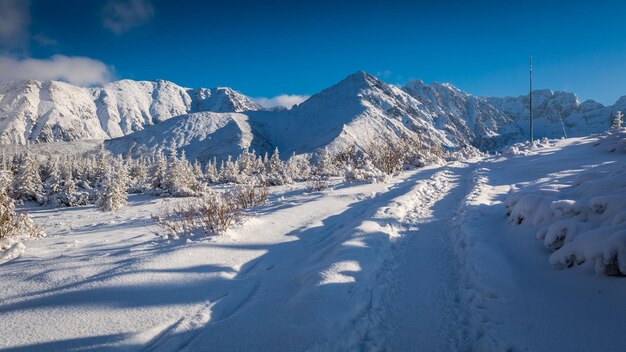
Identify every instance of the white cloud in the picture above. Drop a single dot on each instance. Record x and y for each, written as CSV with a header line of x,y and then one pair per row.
x,y
284,101
14,23
121,15
45,41
75,70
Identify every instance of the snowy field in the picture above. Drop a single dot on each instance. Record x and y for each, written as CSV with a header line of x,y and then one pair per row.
x,y
429,261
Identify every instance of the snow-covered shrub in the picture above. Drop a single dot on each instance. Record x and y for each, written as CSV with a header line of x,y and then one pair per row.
x,y
464,153
318,183
529,208
251,195
582,223
212,213
386,156
13,224
364,171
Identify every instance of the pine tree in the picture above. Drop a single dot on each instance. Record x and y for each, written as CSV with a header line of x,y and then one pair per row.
x,y
70,195
298,168
246,163
54,185
197,171
121,173
27,184
113,194
325,164
210,172
276,170
229,172
181,180
138,172
618,120
158,173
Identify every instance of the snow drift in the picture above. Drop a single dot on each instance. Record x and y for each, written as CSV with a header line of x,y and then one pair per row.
x,y
583,222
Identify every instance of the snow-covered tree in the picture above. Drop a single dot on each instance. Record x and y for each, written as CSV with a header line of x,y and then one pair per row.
x,y
27,184
6,180
70,195
13,224
181,180
158,173
618,120
298,167
246,162
198,173
138,173
229,172
210,172
54,185
275,169
113,194
325,166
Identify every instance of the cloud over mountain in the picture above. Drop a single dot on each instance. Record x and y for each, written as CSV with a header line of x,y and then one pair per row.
x,y
73,69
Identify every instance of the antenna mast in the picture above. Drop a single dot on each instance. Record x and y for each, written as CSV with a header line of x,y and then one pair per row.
x,y
530,105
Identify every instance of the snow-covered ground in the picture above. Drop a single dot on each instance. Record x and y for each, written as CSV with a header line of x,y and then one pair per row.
x,y
429,261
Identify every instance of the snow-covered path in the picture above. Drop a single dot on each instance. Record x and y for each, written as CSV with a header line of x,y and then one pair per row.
x,y
330,279
424,308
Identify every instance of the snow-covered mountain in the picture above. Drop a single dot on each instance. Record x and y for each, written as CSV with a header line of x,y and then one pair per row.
x,y
361,109
357,111
494,122
202,135
473,119
45,111
555,112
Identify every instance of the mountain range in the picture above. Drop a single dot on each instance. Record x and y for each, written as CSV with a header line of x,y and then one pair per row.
x,y
147,117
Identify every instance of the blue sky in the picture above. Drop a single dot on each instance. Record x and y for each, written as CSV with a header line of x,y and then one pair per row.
x,y
268,48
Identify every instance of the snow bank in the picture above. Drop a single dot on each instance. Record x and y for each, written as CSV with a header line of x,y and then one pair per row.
x,y
585,220
526,149
10,249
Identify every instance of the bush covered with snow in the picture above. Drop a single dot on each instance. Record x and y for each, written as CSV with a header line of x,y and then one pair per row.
x,y
14,228
14,224
212,213
584,222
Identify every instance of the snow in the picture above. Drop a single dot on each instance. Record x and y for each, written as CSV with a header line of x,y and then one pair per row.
x,y
426,260
582,223
10,249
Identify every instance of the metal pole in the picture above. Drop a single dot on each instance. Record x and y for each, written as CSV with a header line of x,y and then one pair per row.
x,y
530,107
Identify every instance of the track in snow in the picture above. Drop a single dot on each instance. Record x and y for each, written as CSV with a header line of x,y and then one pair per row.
x,y
421,302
